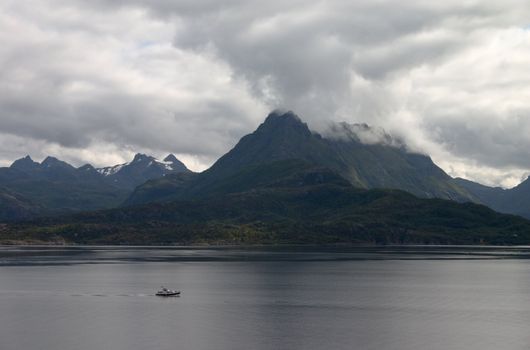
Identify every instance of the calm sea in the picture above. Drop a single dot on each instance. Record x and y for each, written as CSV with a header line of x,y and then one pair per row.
x,y
86,298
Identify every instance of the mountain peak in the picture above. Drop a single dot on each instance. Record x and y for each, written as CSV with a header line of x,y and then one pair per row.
x,y
138,157
174,164
366,156
171,158
25,163
54,162
50,160
26,159
87,167
277,120
283,117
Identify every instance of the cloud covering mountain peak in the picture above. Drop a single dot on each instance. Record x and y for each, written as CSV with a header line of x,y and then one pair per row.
x,y
81,79
363,133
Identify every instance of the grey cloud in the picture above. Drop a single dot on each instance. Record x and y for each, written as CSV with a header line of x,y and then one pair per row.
x,y
408,52
191,77
483,138
362,133
73,88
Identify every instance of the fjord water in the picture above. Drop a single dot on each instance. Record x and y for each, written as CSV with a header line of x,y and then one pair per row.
x,y
364,298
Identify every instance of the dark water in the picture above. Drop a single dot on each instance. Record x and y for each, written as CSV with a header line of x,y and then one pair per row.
x,y
364,298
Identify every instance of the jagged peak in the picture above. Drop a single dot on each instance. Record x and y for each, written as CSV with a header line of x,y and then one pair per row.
x,y
281,114
141,157
52,161
141,160
86,167
283,120
26,159
171,158
25,162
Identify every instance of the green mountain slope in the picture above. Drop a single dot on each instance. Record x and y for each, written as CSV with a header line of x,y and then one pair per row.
x,y
304,205
14,206
286,137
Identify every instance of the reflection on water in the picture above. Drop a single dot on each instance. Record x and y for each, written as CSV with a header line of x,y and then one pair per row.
x,y
283,298
46,255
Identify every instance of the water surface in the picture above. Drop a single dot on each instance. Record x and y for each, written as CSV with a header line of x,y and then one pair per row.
x,y
291,298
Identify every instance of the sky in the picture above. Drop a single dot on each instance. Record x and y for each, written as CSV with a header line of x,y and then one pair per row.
x,y
97,81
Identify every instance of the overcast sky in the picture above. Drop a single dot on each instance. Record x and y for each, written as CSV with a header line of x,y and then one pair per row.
x,y
97,81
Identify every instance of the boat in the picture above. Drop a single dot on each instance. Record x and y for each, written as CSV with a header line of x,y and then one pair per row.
x,y
164,292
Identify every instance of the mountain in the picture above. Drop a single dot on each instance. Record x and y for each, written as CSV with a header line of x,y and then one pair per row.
x,y
511,201
58,187
52,187
141,169
25,164
284,202
14,206
282,184
283,136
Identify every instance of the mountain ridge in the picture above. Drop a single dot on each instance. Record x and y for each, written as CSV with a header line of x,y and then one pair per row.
x,y
283,184
514,201
284,136
142,168
53,187
303,205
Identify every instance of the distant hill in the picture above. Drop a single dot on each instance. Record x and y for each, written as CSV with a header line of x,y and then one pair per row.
x,y
59,187
29,188
283,202
512,201
383,163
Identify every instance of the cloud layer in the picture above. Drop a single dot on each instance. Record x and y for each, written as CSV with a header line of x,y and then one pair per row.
x,y
95,82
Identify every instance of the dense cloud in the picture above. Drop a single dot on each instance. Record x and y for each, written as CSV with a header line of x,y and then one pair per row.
x,y
190,77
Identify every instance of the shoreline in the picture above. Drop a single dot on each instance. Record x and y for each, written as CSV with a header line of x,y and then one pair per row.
x,y
254,246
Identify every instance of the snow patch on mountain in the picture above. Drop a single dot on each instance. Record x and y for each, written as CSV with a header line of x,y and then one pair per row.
x,y
111,170
168,164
